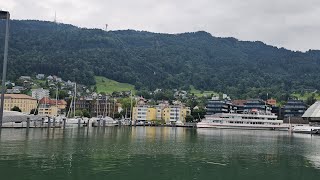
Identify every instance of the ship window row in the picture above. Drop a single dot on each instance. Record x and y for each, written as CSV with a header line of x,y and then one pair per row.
x,y
258,118
241,122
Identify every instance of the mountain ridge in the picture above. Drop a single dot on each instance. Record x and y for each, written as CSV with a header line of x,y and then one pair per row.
x,y
159,60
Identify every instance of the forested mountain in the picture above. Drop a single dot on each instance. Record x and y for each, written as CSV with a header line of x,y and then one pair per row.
x,y
152,60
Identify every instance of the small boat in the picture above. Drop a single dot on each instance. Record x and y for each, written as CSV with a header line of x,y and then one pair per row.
x,y
75,120
306,129
104,121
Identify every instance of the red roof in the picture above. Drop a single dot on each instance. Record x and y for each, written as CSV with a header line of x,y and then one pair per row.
x,y
239,102
47,100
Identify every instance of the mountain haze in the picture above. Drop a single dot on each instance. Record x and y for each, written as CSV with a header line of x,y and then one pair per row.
x,y
152,60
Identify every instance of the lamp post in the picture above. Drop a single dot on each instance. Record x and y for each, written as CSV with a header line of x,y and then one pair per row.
x,y
4,15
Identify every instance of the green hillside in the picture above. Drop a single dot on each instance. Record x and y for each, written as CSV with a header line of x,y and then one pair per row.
x,y
149,60
109,86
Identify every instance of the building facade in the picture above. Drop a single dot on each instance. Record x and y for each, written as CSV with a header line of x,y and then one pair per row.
x,y
40,76
144,113
50,107
24,102
98,107
294,108
175,113
218,106
256,104
40,93
170,114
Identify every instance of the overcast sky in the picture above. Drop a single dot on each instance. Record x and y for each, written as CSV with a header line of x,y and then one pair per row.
x,y
293,24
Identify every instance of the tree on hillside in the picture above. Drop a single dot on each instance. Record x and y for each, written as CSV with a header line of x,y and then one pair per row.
x,y
311,100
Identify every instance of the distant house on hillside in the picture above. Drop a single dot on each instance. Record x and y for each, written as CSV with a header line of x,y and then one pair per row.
x,y
27,78
40,93
182,94
13,91
20,88
58,79
10,83
40,76
50,78
69,83
157,90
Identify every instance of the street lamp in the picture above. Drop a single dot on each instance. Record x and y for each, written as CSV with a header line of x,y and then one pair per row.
x,y
4,15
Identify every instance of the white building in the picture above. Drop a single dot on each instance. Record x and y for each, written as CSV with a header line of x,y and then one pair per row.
x,y
40,76
25,78
40,93
50,78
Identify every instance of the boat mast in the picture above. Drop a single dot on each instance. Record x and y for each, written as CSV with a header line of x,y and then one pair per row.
x,y
131,105
97,106
104,109
74,99
114,107
70,107
57,100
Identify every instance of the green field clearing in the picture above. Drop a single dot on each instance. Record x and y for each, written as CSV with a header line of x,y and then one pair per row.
x,y
199,93
109,86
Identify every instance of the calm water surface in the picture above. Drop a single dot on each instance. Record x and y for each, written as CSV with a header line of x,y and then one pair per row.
x,y
157,153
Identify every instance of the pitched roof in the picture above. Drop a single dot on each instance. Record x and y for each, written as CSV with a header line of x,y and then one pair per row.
x,y
313,110
239,102
18,96
46,100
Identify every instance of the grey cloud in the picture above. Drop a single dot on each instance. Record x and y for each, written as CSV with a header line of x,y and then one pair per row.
x,y
291,24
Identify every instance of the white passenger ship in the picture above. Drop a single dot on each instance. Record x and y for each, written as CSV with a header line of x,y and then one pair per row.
x,y
253,119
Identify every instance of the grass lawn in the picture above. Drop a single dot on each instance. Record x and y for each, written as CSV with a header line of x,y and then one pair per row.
x,y
199,94
109,86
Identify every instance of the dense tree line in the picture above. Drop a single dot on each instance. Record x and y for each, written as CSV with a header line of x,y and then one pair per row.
x,y
152,60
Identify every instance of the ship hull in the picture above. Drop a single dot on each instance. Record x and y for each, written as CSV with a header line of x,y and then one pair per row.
x,y
236,126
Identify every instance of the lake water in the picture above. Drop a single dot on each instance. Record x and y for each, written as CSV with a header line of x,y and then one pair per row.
x,y
154,153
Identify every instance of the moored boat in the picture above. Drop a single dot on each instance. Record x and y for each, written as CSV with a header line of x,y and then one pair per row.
x,y
306,129
253,119
104,121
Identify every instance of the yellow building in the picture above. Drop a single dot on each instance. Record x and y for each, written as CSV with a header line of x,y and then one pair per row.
x,y
48,110
169,114
24,102
50,107
144,113
175,113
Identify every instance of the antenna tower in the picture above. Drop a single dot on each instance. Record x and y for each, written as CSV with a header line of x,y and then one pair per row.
x,y
55,17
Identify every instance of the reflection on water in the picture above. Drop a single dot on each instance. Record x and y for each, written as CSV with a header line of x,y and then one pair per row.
x,y
157,153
